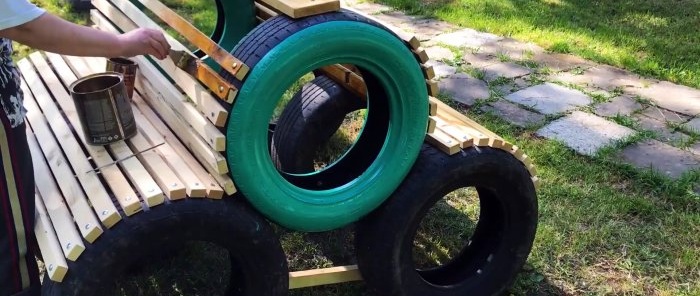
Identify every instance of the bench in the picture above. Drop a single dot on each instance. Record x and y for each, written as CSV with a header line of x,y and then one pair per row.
x,y
177,153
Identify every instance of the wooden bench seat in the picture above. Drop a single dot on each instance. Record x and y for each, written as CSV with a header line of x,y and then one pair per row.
x,y
177,152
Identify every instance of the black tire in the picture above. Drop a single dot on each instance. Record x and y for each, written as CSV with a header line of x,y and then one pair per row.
x,y
497,249
308,121
259,265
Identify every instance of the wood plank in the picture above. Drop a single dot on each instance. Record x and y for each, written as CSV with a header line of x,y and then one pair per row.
x,y
227,61
90,182
180,149
431,124
124,194
145,184
442,107
324,276
432,108
465,140
496,143
428,71
443,141
346,78
68,236
420,54
303,8
187,135
264,12
192,184
133,169
203,100
54,260
76,200
432,86
166,178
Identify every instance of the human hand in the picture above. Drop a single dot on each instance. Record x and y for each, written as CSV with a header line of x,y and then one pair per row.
x,y
144,41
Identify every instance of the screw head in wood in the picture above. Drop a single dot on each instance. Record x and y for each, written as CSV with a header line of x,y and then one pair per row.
x,y
50,267
68,245
104,213
221,88
234,65
87,226
174,185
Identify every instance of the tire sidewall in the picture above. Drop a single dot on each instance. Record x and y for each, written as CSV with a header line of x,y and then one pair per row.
x,y
386,235
361,44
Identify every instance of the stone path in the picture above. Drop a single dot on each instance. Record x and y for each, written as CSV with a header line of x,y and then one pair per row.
x,y
585,105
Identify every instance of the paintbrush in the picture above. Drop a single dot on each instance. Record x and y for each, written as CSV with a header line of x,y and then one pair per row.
x,y
198,69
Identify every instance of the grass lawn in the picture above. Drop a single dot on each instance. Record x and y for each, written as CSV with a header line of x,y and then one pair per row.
x,y
604,228
650,37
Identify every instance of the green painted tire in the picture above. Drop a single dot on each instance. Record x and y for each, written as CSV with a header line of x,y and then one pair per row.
x,y
279,52
235,19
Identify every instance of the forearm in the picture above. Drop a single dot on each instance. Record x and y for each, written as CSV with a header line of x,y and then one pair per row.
x,y
51,33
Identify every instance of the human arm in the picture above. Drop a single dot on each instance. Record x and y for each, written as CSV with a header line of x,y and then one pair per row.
x,y
51,33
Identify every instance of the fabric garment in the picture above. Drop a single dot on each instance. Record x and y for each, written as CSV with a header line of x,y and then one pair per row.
x,y
19,274
18,269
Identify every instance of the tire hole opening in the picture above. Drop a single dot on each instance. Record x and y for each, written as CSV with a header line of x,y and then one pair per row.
x,y
458,238
325,133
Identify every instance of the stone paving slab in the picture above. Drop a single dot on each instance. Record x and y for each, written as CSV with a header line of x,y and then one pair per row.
x,y
512,48
465,38
584,132
664,115
693,125
622,105
506,70
516,85
663,158
558,62
464,88
441,69
440,53
550,98
479,59
674,97
604,77
663,132
513,114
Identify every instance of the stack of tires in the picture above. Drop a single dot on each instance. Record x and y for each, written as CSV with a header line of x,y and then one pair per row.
x,y
385,183
389,179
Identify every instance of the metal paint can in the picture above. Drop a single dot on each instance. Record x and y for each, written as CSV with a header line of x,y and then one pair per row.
x,y
103,108
127,68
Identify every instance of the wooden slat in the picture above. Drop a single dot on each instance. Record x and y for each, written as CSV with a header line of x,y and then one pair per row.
x,y
420,54
433,108
324,276
116,181
71,243
133,169
428,71
187,136
193,186
263,11
99,198
443,142
76,200
203,100
346,78
166,178
431,124
145,184
172,140
303,8
465,140
432,86
227,61
442,107
54,260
